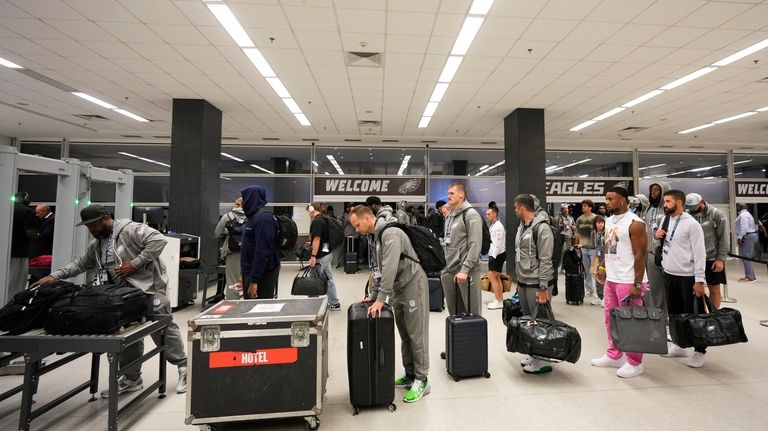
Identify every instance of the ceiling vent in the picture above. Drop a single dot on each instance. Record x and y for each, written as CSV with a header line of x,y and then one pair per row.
x,y
365,59
369,123
132,136
42,78
310,139
162,137
390,140
633,129
666,146
696,146
746,148
270,139
488,143
352,140
91,117
428,142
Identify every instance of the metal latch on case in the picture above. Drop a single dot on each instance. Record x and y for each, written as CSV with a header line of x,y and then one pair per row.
x,y
210,337
300,334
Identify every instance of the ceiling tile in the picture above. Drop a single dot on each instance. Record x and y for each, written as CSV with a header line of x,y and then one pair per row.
x,y
32,28
636,34
753,19
259,16
67,48
112,50
714,14
320,58
496,27
549,30
677,37
312,19
180,34
668,12
568,9
718,39
410,23
609,53
401,60
406,44
361,21
413,6
618,11
318,40
491,47
443,45
131,32
353,42
571,51
593,32
102,10
518,8
155,11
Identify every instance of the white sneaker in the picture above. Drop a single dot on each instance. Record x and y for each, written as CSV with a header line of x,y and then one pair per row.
x,y
181,387
495,305
125,385
605,361
628,371
537,366
696,360
677,352
596,301
526,361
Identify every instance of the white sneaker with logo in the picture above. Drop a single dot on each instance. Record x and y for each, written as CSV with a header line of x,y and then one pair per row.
x,y
495,305
628,371
125,385
696,360
605,361
677,352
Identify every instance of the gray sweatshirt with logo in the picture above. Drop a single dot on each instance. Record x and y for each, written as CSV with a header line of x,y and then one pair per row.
x,y
462,254
531,265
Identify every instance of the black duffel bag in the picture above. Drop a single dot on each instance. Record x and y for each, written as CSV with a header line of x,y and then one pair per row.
x,y
547,339
27,310
308,283
96,310
715,328
511,308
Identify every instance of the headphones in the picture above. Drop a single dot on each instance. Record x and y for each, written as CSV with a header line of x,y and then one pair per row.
x,y
311,209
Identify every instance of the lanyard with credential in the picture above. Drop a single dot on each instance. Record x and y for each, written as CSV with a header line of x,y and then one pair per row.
x,y
667,242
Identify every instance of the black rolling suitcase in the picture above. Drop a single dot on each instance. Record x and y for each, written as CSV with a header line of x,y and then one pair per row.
x,y
574,277
436,300
350,257
466,344
370,357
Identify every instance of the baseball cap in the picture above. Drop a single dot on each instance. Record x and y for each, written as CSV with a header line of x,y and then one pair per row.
x,y
92,214
692,200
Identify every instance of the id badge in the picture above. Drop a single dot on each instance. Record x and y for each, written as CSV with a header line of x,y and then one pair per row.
x,y
655,226
103,277
326,249
447,237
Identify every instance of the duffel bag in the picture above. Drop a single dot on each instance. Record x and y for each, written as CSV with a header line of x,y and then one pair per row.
x,y
546,338
511,308
308,283
96,310
640,329
27,310
715,328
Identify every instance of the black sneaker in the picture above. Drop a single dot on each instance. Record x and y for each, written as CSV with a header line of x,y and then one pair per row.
x,y
335,307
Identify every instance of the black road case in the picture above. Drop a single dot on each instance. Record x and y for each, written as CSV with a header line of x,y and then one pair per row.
x,y
258,359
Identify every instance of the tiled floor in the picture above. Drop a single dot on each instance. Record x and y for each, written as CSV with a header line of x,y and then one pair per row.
x,y
730,392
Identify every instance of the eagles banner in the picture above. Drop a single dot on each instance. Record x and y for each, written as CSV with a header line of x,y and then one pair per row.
x,y
392,188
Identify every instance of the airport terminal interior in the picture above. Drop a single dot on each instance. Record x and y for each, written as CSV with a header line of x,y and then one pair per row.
x,y
164,111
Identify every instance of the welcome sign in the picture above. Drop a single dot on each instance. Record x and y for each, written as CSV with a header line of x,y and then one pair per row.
x,y
369,186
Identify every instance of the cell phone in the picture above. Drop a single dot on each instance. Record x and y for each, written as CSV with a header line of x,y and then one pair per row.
x,y
627,299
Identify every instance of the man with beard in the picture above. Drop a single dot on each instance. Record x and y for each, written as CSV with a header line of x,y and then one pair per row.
x,y
126,253
717,239
652,217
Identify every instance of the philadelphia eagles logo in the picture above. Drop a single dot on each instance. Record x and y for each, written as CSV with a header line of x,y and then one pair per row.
x,y
409,186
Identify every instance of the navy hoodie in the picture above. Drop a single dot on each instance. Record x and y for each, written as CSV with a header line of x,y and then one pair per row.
x,y
258,253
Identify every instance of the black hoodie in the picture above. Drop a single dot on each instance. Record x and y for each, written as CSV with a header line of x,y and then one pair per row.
x,y
258,253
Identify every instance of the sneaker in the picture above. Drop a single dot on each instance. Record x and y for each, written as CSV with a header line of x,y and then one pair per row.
x,y
606,361
696,360
404,382
527,361
537,366
125,385
181,386
628,371
746,280
417,391
596,301
335,307
495,305
676,352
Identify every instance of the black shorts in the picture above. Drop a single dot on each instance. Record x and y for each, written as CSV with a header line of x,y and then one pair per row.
x,y
712,277
497,263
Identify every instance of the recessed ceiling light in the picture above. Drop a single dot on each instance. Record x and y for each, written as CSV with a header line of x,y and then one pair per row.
x,y
582,125
260,62
424,122
131,115
303,120
735,117
643,98
480,7
95,100
762,109
292,105
430,109
450,68
743,53
610,113
278,86
9,64
693,129
227,19
237,159
441,88
651,167
743,161
467,34
262,169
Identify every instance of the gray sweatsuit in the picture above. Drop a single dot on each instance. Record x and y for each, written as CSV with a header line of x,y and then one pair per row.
x,y
653,218
533,260
462,254
403,285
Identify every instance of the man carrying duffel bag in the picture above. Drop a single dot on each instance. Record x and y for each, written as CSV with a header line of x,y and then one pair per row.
x,y
127,253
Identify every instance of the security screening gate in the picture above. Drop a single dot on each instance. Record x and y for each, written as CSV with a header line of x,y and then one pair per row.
x,y
72,194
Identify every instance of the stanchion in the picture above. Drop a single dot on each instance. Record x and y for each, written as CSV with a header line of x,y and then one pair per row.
x,y
725,297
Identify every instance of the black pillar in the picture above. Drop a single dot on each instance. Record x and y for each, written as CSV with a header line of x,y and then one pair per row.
x,y
524,165
195,170
460,167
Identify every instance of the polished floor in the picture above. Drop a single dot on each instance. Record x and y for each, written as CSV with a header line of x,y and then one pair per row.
x,y
730,392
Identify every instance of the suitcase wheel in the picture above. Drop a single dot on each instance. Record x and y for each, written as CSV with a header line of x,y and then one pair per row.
x,y
442,355
355,411
392,407
313,422
487,375
456,378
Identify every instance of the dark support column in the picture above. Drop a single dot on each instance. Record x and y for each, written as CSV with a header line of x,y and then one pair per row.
x,y
283,165
195,170
460,167
524,165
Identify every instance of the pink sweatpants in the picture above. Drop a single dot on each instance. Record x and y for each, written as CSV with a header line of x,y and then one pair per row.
x,y
613,294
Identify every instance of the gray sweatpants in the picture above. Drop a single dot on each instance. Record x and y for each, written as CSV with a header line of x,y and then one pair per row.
x,y
656,283
451,300
174,342
527,295
232,272
18,274
411,308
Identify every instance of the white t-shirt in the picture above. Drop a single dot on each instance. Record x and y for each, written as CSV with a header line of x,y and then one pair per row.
x,y
498,239
619,257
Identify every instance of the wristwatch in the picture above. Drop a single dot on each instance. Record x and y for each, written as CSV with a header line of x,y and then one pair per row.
x,y
638,285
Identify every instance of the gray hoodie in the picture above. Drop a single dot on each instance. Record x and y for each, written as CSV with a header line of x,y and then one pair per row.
x,y
717,233
397,274
462,254
132,241
531,269
654,215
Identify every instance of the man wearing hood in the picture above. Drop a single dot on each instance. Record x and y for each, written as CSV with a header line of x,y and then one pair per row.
x,y
231,257
126,253
259,258
652,217
717,240
400,281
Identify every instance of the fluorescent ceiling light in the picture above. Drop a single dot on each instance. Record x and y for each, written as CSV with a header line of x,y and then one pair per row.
x,y
741,54
424,122
568,165
480,7
483,167
688,78
582,125
610,113
467,34
735,117
642,98
693,129
260,62
131,115
704,168
762,109
738,173
292,105
278,86
430,109
651,167
550,168
237,159
450,68
583,176
9,64
743,161
487,168
326,173
303,120
404,165
230,23
262,169
144,159
92,99
335,164
440,89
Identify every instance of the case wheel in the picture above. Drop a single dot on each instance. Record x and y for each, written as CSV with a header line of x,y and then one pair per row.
x,y
355,411
313,423
392,407
442,355
456,378
487,375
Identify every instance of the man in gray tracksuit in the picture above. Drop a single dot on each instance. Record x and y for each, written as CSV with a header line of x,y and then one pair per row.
x,y
127,253
653,217
463,239
717,240
399,281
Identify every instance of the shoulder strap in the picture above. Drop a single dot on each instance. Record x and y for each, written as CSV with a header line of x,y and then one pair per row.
x,y
665,224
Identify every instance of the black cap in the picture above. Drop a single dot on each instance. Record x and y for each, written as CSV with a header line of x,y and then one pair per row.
x,y
439,204
373,200
92,214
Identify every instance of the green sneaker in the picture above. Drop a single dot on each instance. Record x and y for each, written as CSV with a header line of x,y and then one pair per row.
x,y
404,382
417,391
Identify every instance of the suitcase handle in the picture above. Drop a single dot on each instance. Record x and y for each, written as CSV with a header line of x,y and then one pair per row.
x,y
381,356
458,295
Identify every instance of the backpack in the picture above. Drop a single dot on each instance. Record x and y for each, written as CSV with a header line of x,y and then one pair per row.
x,y
335,232
485,246
234,228
27,310
429,253
287,233
96,310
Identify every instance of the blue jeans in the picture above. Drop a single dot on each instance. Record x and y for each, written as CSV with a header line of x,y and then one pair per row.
x,y
587,254
746,249
324,269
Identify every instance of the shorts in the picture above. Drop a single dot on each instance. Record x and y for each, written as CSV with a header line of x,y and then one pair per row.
x,y
712,277
496,264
